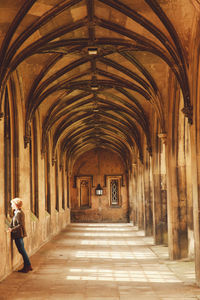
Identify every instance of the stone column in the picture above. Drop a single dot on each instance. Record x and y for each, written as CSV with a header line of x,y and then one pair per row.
x,y
134,192
130,195
172,207
189,181
177,217
196,202
140,196
163,188
157,207
159,192
148,213
195,171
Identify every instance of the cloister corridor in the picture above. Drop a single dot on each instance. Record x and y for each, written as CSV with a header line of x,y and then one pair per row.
x,y
102,262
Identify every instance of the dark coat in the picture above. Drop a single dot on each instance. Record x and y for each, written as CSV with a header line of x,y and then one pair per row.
x,y
18,220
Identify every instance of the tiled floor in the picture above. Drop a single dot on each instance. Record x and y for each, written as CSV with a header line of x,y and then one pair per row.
x,y
102,262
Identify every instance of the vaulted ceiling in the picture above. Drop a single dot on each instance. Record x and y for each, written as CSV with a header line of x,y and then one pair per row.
x,y
97,71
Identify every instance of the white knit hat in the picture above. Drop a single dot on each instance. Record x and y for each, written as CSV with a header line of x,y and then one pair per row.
x,y
18,202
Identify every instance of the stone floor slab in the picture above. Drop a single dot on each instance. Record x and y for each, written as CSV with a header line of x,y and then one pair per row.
x,y
102,262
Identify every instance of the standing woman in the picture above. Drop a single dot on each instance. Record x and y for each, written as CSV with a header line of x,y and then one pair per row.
x,y
18,232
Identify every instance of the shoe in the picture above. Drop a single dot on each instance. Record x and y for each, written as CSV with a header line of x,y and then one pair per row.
x,y
30,268
25,269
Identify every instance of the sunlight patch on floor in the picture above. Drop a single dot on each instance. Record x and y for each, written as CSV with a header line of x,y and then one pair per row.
x,y
107,229
100,234
98,225
120,275
112,242
115,254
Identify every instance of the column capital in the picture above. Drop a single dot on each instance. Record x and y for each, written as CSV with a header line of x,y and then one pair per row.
x,y
27,140
188,112
53,160
163,137
1,115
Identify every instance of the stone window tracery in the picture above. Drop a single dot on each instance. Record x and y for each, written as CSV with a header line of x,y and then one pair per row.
x,y
114,189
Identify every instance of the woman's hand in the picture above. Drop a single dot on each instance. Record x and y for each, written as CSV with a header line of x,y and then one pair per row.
x,y
9,229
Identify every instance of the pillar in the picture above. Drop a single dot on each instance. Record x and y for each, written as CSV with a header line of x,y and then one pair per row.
x,y
148,213
159,191
176,203
140,196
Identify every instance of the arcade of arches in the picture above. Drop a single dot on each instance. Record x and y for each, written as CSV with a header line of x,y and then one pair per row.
x,y
101,92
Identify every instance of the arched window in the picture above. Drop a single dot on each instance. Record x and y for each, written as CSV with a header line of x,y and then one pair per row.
x,y
7,153
47,180
114,192
84,191
11,149
34,169
114,189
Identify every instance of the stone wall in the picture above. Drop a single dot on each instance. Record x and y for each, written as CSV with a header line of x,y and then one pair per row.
x,y
39,231
100,166
41,227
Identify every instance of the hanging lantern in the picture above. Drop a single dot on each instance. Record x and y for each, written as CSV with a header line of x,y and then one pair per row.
x,y
99,190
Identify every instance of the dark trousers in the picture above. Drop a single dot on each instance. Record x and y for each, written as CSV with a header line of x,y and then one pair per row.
x,y
20,246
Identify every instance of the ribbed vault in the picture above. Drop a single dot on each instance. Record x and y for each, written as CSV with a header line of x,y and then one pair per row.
x,y
94,69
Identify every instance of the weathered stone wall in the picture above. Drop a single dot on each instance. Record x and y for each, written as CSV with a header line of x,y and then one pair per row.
x,y
39,229
98,164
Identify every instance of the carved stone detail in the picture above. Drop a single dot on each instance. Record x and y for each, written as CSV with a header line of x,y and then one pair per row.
x,y
53,161
149,149
163,137
1,115
26,141
196,4
188,112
